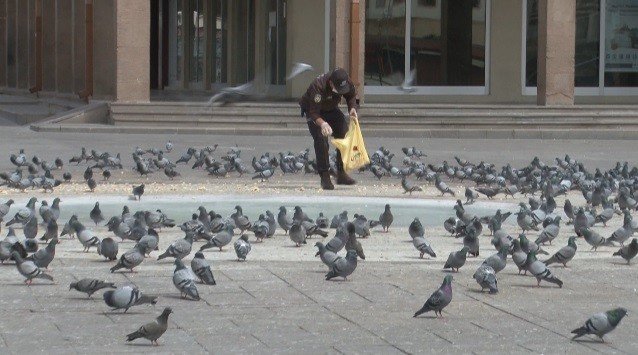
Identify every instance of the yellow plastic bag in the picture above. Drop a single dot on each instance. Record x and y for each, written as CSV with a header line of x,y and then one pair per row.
x,y
352,148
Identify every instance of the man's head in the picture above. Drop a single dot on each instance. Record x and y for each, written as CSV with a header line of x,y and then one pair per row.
x,y
339,81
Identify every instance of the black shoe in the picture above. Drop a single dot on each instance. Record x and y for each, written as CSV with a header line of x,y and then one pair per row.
x,y
326,183
344,179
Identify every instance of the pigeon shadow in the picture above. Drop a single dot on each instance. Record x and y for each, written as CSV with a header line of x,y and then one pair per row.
x,y
534,286
588,340
619,263
141,345
448,271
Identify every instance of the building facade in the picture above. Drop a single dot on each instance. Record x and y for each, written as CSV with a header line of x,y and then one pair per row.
x,y
547,52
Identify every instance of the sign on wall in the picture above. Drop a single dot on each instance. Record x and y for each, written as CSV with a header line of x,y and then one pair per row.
x,y
621,36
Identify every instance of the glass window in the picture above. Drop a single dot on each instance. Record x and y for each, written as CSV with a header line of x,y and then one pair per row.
x,y
197,41
531,43
384,44
621,43
219,23
447,43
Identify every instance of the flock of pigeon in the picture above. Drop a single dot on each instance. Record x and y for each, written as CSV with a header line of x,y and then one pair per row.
x,y
607,193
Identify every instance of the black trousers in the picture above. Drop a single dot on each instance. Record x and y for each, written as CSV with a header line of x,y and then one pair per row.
x,y
339,124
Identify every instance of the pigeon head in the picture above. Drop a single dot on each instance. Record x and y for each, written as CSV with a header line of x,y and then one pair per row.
x,y
351,254
464,250
179,265
571,241
199,255
350,228
282,209
244,237
616,315
387,207
73,285
447,281
9,202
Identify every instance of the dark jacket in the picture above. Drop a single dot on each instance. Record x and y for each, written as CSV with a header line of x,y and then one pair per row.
x,y
320,97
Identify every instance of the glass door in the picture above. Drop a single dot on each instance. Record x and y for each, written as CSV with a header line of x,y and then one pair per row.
x,y
176,44
275,60
197,44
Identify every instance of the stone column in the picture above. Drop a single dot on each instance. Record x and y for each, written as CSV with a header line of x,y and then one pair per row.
x,y
342,43
556,47
133,50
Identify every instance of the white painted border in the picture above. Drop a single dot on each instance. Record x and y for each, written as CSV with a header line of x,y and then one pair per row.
x,y
601,90
439,90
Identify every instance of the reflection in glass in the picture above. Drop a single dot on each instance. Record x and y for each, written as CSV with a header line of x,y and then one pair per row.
x,y
621,43
447,43
219,41
384,43
197,45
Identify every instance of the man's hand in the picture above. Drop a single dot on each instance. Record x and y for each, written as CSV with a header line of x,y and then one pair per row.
x,y
353,113
326,130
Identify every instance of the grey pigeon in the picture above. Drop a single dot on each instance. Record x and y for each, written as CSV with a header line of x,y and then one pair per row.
x,y
550,232
261,228
43,257
322,221
529,246
416,229
408,187
338,241
4,208
179,248
150,241
601,323
138,191
386,218
629,251
221,239
313,229
519,256
96,214
153,330
297,233
130,259
343,266
456,259
28,269
624,232
540,270
439,299
272,223
327,257
90,286
242,247
125,297
339,220
442,187
108,248
485,276
470,196
202,269
352,243
184,281
285,222
497,261
565,254
85,236
361,226
423,247
593,238
525,220
51,231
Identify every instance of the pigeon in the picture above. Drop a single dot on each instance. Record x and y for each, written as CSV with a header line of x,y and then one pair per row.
x,y
28,269
339,220
242,247
629,251
593,238
442,187
338,241
150,241
130,259
497,261
298,68
456,259
343,266
125,297
386,218
408,187
43,257
90,286
91,184
221,239
423,247
96,214
450,225
327,257
85,236
601,323
322,221
550,232
519,256
416,229
106,174
525,220
285,222
529,246
4,208
565,254
168,146
153,330
297,233
439,299
361,226
485,276
352,243
138,191
300,215
264,175
540,270
108,248
201,268
470,196
179,248
51,231
184,281
569,211
624,232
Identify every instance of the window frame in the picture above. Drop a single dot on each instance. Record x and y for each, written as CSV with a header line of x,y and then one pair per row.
x,y
439,90
601,89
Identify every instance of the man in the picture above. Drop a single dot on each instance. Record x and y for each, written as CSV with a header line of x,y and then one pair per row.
x,y
320,106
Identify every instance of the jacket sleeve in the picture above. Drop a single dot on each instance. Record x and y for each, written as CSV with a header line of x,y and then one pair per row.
x,y
351,98
312,108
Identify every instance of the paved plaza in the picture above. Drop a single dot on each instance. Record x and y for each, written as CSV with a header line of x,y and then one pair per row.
x,y
278,301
